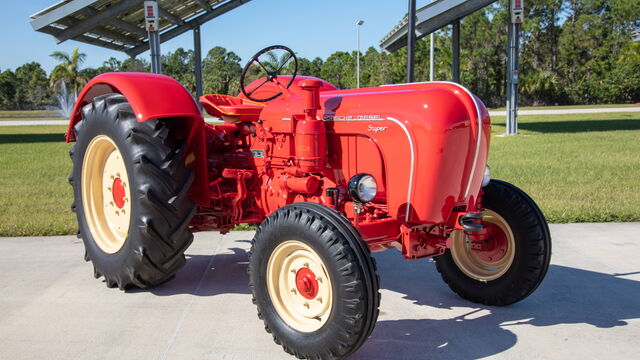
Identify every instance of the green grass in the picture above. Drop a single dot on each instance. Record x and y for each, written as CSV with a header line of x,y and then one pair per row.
x,y
22,114
578,168
31,119
601,106
35,196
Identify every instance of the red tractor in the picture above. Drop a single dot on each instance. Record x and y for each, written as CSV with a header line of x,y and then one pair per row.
x,y
329,175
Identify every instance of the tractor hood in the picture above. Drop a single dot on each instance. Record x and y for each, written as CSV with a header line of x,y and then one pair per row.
x,y
433,139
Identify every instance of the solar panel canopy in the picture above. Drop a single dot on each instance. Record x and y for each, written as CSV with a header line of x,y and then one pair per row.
x,y
120,24
429,18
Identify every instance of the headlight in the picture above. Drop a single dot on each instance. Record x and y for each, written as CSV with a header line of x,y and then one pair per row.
x,y
487,176
363,187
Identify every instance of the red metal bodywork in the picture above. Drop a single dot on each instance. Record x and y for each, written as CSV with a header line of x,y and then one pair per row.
x,y
426,144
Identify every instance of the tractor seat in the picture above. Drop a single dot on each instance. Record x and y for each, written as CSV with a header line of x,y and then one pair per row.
x,y
231,108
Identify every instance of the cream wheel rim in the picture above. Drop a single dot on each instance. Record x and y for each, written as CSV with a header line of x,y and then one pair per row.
x,y
299,286
106,194
490,264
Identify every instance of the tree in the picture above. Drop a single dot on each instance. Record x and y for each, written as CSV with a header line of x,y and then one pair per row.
x,y
68,70
8,85
483,36
369,67
180,66
221,72
134,65
315,68
304,67
339,70
111,65
32,86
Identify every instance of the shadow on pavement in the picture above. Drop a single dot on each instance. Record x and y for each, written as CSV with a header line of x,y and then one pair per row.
x,y
30,138
462,330
227,274
567,296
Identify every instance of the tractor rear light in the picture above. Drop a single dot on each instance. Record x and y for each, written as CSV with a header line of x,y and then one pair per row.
x,y
487,176
363,187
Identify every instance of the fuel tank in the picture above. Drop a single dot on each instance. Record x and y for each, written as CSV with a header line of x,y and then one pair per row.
x,y
425,143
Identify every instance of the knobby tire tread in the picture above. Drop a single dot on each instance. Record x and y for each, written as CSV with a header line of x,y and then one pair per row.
x,y
161,209
533,251
352,260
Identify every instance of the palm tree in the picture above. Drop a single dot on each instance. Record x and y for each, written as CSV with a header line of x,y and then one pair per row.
x,y
631,53
68,71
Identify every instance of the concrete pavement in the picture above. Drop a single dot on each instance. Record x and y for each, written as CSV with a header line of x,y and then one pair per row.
x,y
588,307
33,122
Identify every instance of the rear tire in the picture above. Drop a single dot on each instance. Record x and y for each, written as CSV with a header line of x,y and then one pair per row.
x,y
501,280
130,189
337,312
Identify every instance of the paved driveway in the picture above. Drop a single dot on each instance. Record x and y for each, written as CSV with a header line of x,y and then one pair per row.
x,y
588,307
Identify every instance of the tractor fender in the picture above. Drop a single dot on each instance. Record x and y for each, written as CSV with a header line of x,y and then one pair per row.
x,y
154,96
150,96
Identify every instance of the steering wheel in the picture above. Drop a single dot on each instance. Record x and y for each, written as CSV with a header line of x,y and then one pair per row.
x,y
268,63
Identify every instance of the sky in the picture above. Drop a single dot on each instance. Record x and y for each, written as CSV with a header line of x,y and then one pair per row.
x,y
310,27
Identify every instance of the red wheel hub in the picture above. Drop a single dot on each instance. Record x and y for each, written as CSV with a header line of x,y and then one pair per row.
x,y
117,189
306,283
497,245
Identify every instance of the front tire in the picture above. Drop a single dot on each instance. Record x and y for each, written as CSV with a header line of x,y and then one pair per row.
x,y
130,189
313,282
517,255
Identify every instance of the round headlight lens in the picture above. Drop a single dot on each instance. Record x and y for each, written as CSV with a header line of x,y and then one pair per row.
x,y
487,176
363,187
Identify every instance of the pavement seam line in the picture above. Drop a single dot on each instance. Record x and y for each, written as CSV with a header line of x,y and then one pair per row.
x,y
189,305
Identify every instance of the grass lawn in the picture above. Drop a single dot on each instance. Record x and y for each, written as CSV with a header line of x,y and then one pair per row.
x,y
35,197
578,168
31,119
28,114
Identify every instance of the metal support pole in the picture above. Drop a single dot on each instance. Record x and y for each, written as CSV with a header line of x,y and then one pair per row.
x,y
514,82
154,48
197,60
455,51
358,57
508,81
512,79
432,49
358,24
432,58
411,39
